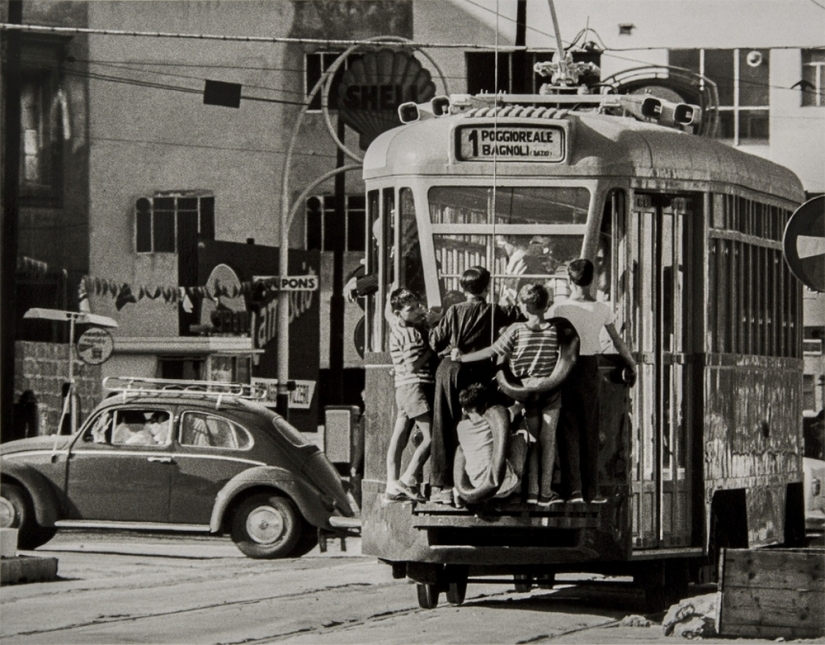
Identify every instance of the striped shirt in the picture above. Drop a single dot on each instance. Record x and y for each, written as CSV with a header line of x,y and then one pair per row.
x,y
407,345
530,353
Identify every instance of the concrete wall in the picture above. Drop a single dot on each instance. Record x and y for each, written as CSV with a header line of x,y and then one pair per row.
x,y
43,368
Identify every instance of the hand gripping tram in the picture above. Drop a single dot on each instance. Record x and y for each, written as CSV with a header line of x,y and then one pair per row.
x,y
705,450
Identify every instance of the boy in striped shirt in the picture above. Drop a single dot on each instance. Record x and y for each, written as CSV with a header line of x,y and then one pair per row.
x,y
531,349
410,355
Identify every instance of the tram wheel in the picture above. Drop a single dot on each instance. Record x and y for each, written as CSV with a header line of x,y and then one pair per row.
x,y
524,582
427,595
456,592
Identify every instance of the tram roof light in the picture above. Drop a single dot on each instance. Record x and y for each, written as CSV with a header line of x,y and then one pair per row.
x,y
440,105
408,112
651,108
687,114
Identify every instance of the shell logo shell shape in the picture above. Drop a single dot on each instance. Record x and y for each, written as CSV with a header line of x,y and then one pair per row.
x,y
373,87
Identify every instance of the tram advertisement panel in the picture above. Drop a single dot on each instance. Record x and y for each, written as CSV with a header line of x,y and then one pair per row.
x,y
519,143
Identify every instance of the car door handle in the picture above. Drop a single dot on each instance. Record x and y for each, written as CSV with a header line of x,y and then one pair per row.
x,y
161,460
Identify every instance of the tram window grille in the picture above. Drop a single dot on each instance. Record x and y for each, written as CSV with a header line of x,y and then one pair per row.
x,y
744,90
812,87
168,220
319,220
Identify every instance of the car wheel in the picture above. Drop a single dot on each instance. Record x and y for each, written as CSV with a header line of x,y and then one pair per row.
x,y
266,526
307,542
16,512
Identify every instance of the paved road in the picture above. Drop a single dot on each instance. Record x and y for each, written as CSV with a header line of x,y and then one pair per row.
x,y
127,588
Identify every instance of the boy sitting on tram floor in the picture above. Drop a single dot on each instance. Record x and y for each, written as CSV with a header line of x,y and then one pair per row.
x,y
476,439
413,391
531,350
467,326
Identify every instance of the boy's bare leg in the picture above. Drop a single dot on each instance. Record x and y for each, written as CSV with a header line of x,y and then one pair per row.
x,y
398,442
533,423
547,443
421,453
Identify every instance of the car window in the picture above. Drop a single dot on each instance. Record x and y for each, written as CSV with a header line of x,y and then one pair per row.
x,y
208,430
100,429
142,427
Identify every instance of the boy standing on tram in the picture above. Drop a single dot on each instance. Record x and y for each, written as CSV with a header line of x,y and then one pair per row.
x,y
580,410
466,326
413,391
531,349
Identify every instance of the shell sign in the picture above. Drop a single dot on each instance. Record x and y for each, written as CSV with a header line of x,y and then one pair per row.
x,y
373,87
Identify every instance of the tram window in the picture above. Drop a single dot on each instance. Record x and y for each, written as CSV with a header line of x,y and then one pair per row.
x,y
520,205
530,255
411,267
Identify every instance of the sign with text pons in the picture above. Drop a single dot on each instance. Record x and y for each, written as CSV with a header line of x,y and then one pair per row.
x,y
290,282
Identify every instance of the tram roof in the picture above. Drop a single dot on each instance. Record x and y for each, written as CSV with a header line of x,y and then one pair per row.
x,y
600,145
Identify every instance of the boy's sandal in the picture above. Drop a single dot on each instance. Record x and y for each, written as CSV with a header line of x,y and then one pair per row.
x,y
405,492
550,501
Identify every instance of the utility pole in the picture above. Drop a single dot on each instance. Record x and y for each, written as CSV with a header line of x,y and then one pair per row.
x,y
12,78
336,309
522,70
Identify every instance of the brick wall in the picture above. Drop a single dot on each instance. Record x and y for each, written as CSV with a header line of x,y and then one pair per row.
x,y
43,368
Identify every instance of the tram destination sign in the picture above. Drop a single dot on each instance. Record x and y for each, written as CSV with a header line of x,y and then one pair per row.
x,y
509,143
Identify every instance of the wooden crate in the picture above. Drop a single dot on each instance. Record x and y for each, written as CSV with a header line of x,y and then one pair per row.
x,y
772,593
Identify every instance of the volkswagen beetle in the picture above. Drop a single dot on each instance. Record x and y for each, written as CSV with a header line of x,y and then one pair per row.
x,y
210,462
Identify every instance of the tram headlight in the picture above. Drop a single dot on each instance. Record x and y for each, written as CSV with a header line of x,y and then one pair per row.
x,y
661,111
651,108
687,114
408,112
440,105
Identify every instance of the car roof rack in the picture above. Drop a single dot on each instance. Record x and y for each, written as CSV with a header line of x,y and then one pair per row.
x,y
136,385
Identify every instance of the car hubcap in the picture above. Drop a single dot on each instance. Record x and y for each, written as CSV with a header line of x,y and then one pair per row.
x,y
6,513
265,525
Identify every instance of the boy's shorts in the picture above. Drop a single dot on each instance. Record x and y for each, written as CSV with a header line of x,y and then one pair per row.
x,y
413,399
541,401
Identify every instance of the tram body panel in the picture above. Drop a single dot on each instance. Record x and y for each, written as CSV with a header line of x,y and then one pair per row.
x,y
750,447
597,146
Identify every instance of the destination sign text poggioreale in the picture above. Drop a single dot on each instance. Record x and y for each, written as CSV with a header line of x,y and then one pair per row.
x,y
509,143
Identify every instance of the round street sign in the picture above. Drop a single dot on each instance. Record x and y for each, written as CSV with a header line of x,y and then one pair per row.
x,y
95,346
804,243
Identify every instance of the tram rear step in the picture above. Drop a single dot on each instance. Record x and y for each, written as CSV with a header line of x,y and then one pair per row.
x,y
558,521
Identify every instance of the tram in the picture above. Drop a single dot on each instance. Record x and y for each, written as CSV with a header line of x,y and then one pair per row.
x,y
705,450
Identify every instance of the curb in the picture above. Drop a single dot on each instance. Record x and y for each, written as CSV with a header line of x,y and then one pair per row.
x,y
22,569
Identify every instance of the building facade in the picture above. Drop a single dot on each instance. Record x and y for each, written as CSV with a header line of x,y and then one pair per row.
x,y
128,175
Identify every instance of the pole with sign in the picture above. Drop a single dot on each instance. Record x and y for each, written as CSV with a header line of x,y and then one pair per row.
x,y
73,318
803,243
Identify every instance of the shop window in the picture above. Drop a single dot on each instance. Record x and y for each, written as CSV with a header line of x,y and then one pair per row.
x,y
43,122
741,77
166,220
315,64
320,223
812,84
482,75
